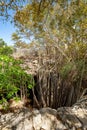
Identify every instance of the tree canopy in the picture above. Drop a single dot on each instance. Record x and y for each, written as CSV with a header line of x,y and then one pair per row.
x,y
8,6
62,22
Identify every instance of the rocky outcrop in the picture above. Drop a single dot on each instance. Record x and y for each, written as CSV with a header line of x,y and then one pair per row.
x,y
64,118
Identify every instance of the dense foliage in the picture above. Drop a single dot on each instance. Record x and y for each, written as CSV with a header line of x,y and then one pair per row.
x,y
59,25
14,82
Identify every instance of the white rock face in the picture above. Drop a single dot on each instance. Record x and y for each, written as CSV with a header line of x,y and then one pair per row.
x,y
64,118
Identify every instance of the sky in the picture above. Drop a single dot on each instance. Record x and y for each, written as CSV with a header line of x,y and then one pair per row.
x,y
6,30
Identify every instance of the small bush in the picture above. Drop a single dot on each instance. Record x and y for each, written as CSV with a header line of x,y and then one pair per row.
x,y
13,79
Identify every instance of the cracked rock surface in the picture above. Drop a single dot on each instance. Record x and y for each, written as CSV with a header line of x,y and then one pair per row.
x,y
64,118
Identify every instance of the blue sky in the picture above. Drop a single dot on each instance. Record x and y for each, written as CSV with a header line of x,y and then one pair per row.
x,y
6,30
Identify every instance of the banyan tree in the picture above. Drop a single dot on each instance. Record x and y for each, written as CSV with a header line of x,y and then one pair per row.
x,y
59,80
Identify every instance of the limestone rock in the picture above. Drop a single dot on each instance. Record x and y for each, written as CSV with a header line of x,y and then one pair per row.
x,y
64,118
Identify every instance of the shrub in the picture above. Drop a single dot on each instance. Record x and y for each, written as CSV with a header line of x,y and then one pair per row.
x,y
13,79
